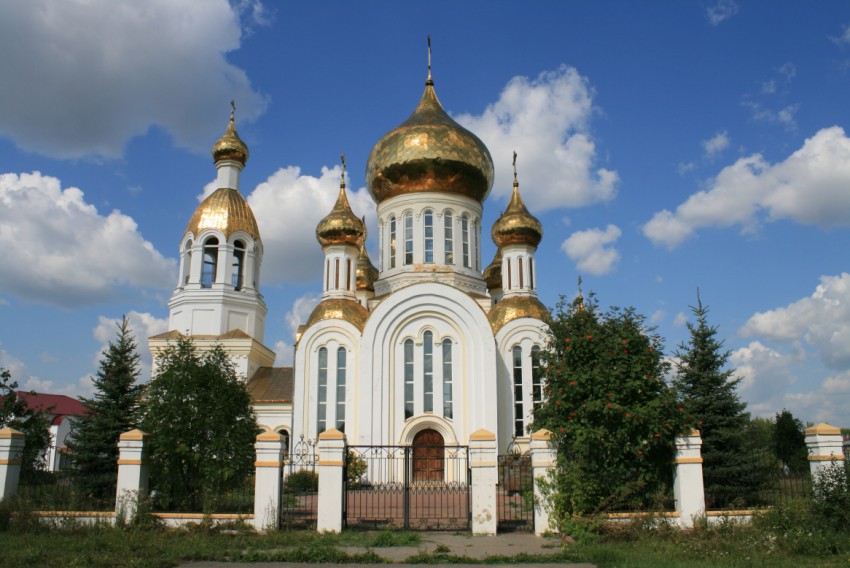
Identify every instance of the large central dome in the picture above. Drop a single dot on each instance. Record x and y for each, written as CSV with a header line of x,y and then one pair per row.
x,y
429,152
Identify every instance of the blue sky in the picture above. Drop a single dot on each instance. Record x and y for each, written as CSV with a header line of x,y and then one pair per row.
x,y
664,146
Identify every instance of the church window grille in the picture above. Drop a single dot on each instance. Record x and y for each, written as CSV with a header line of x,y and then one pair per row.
x,y
447,379
340,389
536,378
322,382
408,239
519,418
429,236
392,241
428,372
448,235
408,379
237,272
464,232
210,262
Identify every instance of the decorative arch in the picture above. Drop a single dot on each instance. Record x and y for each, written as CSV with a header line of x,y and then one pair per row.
x,y
420,423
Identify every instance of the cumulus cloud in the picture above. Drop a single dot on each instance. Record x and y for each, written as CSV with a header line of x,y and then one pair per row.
x,y
589,251
301,309
785,117
765,375
546,120
85,77
721,11
844,38
808,187
29,382
57,249
716,144
142,326
288,206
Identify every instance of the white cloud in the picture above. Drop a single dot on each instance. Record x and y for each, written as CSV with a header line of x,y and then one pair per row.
x,y
57,249
142,326
784,117
546,120
85,77
720,11
685,167
716,144
588,249
288,206
844,38
680,319
765,374
809,187
657,316
301,309
285,357
822,321
27,381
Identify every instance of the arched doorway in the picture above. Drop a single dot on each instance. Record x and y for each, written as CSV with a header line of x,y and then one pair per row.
x,y
428,458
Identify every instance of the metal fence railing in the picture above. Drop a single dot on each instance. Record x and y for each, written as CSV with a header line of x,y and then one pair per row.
x,y
66,490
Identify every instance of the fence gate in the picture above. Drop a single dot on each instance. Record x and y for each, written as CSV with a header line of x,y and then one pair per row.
x,y
419,487
299,486
515,493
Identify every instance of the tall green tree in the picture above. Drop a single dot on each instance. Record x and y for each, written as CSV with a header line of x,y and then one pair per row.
x,y
613,417
201,425
14,413
110,412
789,442
709,389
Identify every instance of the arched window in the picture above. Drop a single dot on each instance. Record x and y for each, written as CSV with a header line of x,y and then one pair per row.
x,y
381,246
328,274
531,273
519,270
210,262
408,238
285,435
464,235
348,275
428,225
518,414
237,270
476,250
187,262
508,264
408,378
448,235
428,372
336,274
392,242
322,382
536,378
340,389
447,379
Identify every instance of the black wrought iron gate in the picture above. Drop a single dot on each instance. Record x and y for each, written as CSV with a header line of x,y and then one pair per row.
x,y
410,487
514,493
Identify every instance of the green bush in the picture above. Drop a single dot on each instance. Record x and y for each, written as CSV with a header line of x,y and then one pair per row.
x,y
304,481
355,469
831,495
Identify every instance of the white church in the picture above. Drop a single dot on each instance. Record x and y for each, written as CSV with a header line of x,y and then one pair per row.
x,y
423,350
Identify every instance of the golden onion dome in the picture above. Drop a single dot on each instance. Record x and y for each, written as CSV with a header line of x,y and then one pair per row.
x,y
230,146
493,273
517,307
429,152
341,226
366,271
225,210
517,226
341,309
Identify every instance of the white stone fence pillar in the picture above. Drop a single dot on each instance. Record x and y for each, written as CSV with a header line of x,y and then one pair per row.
x,y
331,487
688,490
132,473
11,448
824,443
484,464
542,463
268,468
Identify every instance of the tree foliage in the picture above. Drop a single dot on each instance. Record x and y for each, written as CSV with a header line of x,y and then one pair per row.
x,y
14,413
789,442
110,412
613,417
201,425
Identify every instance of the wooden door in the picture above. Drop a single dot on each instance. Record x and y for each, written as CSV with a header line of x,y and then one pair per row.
x,y
428,456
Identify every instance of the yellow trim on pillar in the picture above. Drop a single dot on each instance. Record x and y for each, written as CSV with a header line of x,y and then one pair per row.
x,y
823,429
268,464
542,434
694,433
331,462
332,434
482,435
130,462
825,457
10,462
688,460
6,433
133,435
269,436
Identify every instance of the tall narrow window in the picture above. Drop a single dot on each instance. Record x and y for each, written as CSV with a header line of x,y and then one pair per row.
x,y
328,274
464,235
536,378
381,246
408,378
408,238
187,262
210,262
520,270
476,250
392,242
518,414
428,226
428,372
340,389
322,382
237,270
336,274
508,264
447,379
448,232
348,283
531,273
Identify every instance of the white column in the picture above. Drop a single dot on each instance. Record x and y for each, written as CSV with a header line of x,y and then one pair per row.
x,y
824,442
331,491
11,447
269,452
542,462
132,473
688,490
485,474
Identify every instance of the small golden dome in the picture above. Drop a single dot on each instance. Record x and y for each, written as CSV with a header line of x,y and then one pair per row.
x,y
429,152
341,226
517,307
230,146
493,273
341,309
366,271
226,210
517,226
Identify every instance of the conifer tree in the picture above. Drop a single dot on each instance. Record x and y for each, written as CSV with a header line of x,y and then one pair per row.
x,y
709,389
110,412
789,442
33,423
